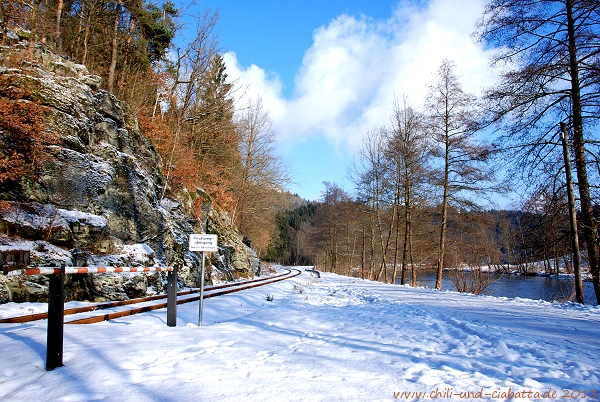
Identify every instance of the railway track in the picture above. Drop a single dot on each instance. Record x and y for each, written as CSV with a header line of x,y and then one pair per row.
x,y
92,314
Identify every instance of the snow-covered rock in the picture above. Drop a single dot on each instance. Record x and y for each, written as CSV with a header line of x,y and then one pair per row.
x,y
100,195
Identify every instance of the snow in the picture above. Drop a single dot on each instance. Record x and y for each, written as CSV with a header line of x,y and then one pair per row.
x,y
328,339
47,254
136,255
42,216
40,250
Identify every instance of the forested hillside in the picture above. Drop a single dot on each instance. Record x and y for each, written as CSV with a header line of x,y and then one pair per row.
x,y
112,151
338,238
181,97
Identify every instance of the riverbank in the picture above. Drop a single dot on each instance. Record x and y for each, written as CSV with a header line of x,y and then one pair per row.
x,y
536,286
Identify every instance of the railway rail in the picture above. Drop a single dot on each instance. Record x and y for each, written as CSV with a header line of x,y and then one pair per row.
x,y
92,314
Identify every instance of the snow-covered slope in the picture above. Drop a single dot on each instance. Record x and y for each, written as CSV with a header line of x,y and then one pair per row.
x,y
328,339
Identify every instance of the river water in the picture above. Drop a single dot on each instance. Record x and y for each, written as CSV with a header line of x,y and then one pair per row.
x,y
530,287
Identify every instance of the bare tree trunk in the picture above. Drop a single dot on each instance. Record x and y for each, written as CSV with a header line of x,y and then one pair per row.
x,y
57,38
34,26
443,224
372,251
385,247
363,255
86,35
412,265
352,255
588,221
572,218
113,59
407,230
397,233
335,251
405,246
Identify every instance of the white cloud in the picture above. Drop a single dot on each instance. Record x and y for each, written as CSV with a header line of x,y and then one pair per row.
x,y
356,65
253,82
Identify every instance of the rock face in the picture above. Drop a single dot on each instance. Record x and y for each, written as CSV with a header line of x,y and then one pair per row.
x,y
99,198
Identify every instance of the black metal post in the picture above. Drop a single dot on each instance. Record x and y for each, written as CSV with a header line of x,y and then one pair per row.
x,y
172,297
56,309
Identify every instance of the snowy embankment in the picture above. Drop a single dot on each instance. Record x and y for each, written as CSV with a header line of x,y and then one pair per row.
x,y
328,339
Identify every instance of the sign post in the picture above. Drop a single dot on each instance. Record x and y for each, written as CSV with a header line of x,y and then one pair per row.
x,y
202,243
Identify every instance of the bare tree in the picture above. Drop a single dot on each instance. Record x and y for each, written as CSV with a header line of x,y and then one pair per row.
x,y
263,173
210,130
329,228
114,47
407,151
461,170
371,178
15,14
57,31
549,52
184,89
474,281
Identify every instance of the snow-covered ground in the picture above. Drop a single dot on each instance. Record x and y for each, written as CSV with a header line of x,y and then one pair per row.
x,y
329,339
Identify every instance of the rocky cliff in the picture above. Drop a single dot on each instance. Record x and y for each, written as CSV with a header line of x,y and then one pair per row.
x,y
98,200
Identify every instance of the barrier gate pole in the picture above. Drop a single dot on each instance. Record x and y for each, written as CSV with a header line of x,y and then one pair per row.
x,y
56,310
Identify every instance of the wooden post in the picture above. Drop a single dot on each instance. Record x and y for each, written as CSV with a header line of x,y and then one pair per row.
x,y
172,297
56,309
572,216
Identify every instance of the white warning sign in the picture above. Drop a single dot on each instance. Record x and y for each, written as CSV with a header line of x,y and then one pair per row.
x,y
203,242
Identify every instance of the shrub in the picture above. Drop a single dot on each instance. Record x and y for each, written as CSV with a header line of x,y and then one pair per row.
x,y
471,281
22,135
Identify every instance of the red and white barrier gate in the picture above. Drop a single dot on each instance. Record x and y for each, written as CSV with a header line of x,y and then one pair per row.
x,y
56,301
85,270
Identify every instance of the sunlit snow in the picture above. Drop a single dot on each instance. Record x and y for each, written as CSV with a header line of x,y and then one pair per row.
x,y
328,339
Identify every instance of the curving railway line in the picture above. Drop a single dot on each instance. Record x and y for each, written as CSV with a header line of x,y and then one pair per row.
x,y
93,313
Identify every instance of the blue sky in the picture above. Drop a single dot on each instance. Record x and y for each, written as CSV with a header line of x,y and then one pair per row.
x,y
328,70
